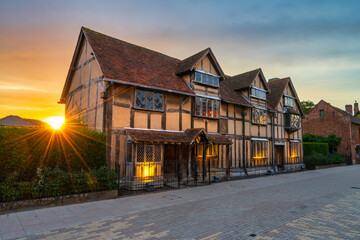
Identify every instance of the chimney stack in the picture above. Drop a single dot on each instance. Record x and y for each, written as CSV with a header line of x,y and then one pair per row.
x,y
356,107
348,109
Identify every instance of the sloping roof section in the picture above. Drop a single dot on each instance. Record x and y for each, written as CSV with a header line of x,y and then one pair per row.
x,y
186,137
188,64
244,80
132,64
277,87
230,95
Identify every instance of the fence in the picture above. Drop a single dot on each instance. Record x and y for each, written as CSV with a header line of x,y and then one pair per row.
x,y
134,177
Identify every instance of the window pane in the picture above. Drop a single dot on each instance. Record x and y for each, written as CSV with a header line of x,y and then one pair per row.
x,y
197,77
140,153
158,101
149,100
204,106
204,78
216,109
211,80
149,153
140,98
157,153
197,106
210,107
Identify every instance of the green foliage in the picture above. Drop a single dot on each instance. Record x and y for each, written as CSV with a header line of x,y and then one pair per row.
x,y
317,159
312,148
332,140
307,106
51,182
74,148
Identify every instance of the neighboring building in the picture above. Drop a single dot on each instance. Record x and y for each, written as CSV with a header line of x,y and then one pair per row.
x,y
325,119
160,109
12,120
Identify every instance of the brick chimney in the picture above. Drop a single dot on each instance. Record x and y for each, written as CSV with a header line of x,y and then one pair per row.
x,y
348,109
356,107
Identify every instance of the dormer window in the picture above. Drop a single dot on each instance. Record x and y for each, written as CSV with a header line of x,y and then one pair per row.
x,y
206,78
258,92
288,101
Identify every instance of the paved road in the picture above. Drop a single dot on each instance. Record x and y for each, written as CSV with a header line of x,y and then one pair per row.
x,y
321,204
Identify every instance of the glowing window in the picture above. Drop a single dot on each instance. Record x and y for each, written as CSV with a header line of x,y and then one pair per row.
x,y
259,116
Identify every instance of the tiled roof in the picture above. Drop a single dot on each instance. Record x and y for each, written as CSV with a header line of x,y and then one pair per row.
x,y
277,87
243,80
130,63
188,63
186,137
230,95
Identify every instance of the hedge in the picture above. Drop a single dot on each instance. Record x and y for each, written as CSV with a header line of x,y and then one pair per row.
x,y
24,150
51,182
317,159
311,148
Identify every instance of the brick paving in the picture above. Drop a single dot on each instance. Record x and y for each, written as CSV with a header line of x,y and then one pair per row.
x,y
321,204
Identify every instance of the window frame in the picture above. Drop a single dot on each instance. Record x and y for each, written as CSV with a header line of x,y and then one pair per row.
x,y
322,114
256,89
263,111
155,147
199,107
286,97
201,73
154,94
258,160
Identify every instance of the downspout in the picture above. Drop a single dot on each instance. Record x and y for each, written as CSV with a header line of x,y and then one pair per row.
x,y
243,127
273,142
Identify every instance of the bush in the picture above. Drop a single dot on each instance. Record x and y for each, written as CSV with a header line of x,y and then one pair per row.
x,y
24,150
56,182
311,148
317,159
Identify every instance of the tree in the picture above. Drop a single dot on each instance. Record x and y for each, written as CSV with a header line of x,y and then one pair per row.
x,y
307,106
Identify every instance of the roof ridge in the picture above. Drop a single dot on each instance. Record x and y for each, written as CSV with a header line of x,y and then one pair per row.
x,y
135,45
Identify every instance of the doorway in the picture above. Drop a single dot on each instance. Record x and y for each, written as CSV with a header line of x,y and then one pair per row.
x,y
279,156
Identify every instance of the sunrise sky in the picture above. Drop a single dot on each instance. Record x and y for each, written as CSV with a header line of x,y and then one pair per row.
x,y
316,43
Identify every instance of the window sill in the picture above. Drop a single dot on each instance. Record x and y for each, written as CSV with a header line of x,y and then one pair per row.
x,y
206,84
145,109
210,118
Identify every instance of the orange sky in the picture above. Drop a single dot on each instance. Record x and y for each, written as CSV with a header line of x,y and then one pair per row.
x,y
316,44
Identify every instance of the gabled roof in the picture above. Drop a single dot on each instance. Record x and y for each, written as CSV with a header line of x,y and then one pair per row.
x,y
229,94
355,120
129,63
244,80
189,64
277,87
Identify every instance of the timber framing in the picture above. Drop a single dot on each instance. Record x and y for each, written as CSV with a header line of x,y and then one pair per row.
x,y
235,121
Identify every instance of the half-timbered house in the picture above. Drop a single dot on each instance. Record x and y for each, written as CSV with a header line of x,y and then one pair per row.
x,y
164,115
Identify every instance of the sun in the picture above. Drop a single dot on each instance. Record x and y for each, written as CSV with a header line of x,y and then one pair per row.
x,y
55,122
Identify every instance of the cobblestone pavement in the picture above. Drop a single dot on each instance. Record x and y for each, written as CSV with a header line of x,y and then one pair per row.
x,y
321,204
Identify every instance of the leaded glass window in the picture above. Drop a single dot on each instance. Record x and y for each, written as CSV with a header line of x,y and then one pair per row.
x,y
206,107
148,153
259,116
259,93
158,101
149,100
140,98
207,79
288,101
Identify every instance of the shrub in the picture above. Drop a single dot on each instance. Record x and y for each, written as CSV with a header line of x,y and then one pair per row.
x,y
317,159
24,150
310,148
51,182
